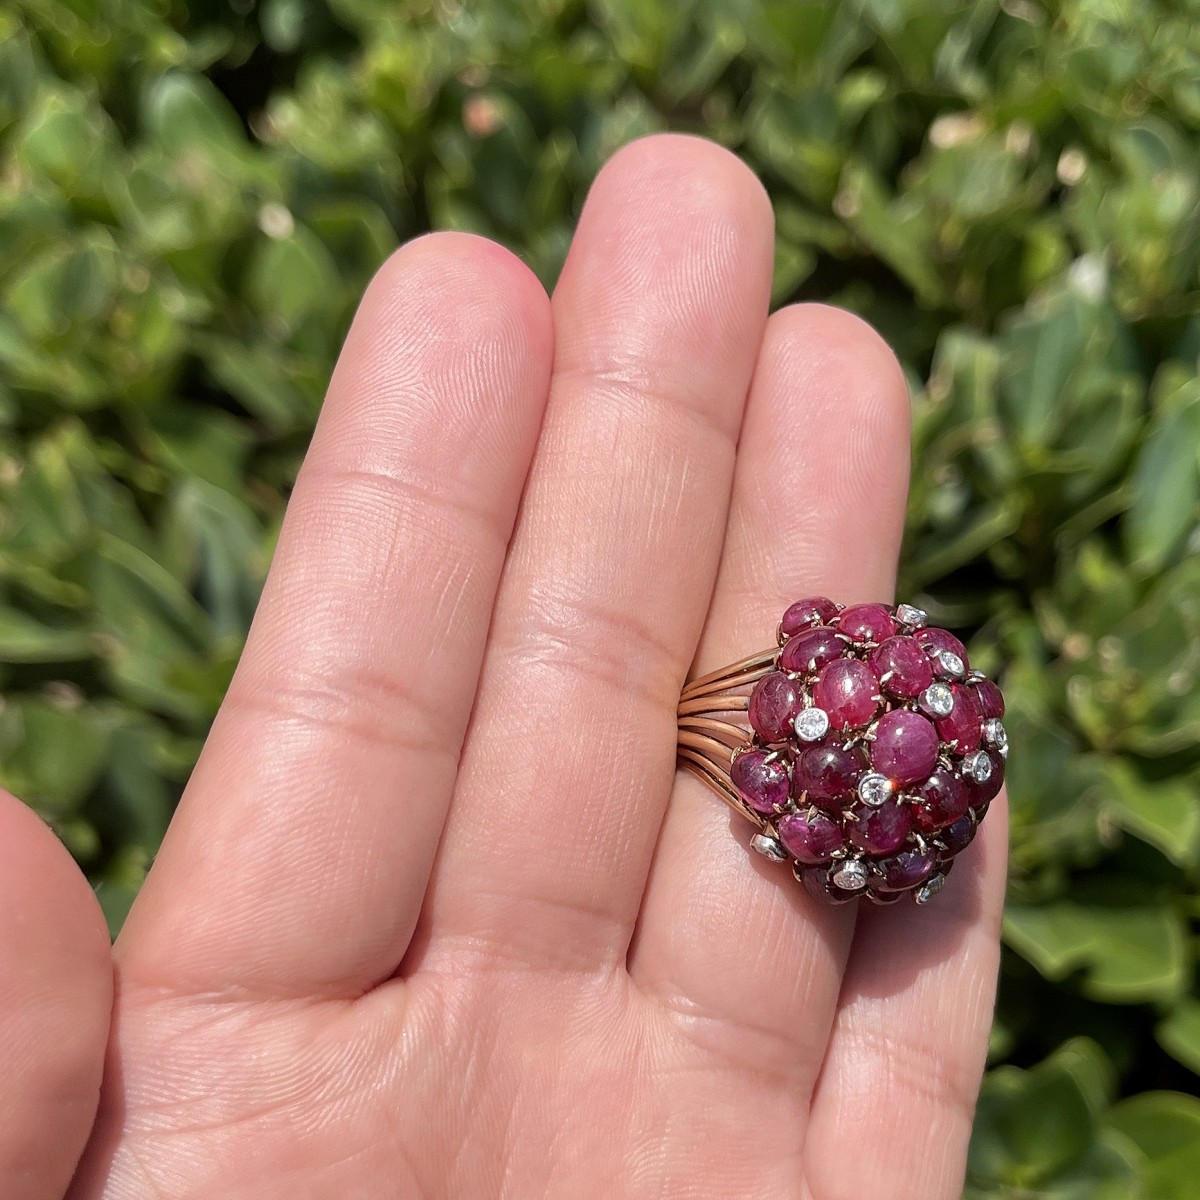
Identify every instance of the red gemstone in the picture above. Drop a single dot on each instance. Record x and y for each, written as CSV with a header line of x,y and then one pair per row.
x,y
762,781
902,667
848,692
940,801
963,728
933,641
814,610
811,836
990,698
880,830
773,704
816,884
979,794
905,748
828,776
900,872
867,622
811,649
958,836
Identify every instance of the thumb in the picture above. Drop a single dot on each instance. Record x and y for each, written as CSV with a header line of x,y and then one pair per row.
x,y
55,1004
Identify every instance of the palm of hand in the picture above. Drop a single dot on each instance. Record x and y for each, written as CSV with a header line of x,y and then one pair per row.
x,y
436,918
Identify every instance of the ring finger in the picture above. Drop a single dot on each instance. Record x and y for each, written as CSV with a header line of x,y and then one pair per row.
x,y
818,508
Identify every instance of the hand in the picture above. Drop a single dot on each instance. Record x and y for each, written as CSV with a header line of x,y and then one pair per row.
x,y
437,916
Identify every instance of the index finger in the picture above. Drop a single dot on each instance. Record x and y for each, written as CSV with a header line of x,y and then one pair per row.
x,y
298,858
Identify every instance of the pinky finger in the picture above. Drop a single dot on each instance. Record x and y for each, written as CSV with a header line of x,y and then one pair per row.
x,y
55,1004
892,1113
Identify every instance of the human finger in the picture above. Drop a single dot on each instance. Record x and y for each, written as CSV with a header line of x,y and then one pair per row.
x,y
300,853
727,940
55,1004
658,316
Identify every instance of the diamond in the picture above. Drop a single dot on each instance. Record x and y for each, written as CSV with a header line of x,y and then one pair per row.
x,y
850,876
874,789
768,847
979,766
911,615
930,888
995,733
811,724
937,699
934,641
951,664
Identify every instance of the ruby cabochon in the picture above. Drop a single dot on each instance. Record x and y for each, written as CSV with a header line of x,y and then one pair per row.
x,y
876,751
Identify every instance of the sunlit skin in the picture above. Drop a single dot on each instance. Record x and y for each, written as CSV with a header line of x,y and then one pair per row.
x,y
438,916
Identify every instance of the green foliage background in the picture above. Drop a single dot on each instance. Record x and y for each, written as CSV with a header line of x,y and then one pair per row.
x,y
192,198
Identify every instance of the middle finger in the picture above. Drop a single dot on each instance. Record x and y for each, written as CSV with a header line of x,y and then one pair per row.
x,y
569,760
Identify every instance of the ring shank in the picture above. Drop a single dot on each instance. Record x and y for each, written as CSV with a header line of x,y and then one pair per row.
x,y
706,742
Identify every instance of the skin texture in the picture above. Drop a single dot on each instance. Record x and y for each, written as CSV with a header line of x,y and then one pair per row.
x,y
437,916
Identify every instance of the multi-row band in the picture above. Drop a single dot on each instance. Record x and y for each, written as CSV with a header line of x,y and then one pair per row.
x,y
872,753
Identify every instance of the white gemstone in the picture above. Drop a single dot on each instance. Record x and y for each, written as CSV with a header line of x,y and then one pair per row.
x,y
995,733
979,766
938,699
768,847
811,724
930,888
874,789
911,615
951,664
850,876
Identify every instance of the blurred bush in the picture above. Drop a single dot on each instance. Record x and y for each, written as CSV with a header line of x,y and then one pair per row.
x,y
192,198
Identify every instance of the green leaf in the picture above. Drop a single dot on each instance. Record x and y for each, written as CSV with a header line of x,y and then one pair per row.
x,y
67,285
139,794
61,135
56,752
219,546
25,639
49,515
153,629
897,232
1127,954
204,443
1165,813
292,277
1040,351
118,887
186,112
1050,1128
258,376
1033,1127
1179,1033
1166,1128
1166,483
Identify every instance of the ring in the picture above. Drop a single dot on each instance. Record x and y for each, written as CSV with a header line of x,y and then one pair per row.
x,y
872,753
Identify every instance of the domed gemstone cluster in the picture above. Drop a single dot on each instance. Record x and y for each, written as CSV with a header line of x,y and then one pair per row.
x,y
876,751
